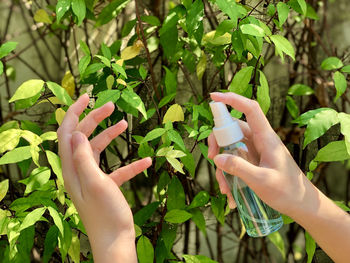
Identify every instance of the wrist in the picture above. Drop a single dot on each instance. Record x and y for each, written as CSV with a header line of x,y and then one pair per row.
x,y
119,249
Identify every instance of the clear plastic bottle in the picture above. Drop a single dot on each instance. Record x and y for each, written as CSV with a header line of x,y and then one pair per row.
x,y
258,218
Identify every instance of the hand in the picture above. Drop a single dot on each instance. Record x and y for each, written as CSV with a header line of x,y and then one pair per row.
x,y
101,205
273,174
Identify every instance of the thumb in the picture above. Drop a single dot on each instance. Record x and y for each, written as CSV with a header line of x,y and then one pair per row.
x,y
240,167
83,158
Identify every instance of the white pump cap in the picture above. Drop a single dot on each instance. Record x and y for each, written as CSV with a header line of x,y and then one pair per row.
x,y
226,130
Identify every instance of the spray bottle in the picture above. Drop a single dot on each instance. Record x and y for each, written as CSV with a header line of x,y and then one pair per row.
x,y
258,218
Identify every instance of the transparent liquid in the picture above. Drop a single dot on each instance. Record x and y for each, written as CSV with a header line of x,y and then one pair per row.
x,y
258,218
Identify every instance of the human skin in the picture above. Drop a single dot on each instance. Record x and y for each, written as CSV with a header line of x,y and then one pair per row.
x,y
275,177
101,205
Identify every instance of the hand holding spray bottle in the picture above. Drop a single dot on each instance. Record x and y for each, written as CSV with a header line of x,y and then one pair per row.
x,y
258,218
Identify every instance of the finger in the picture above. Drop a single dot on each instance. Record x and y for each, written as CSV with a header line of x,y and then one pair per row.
x,y
71,118
125,173
90,122
238,166
224,188
101,141
213,148
64,134
89,173
255,116
245,128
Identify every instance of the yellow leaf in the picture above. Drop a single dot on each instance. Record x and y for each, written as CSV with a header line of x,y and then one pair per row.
x,y
74,249
68,83
202,64
122,82
42,16
243,231
110,81
249,56
174,113
120,62
132,51
221,40
53,100
59,113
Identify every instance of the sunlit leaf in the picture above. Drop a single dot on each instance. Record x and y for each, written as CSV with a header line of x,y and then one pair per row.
x,y
59,114
201,66
28,89
68,83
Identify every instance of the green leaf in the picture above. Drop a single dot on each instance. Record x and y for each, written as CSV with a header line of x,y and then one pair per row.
x,y
106,52
218,207
177,216
262,94
310,247
83,64
74,249
153,134
16,155
60,93
37,178
1,67
292,107
307,116
198,219
145,150
50,243
319,124
340,84
300,90
32,218
311,13
28,89
79,9
277,240
176,195
241,80
145,251
175,137
229,7
170,82
55,162
119,70
57,218
345,128
105,96
194,16
283,11
333,152
331,63
9,139
61,8
169,36
65,240
303,6
189,163
134,101
253,30
200,199
197,259
110,12
145,213
175,164
152,20
224,27
346,69
342,205
128,27
4,186
7,48
283,46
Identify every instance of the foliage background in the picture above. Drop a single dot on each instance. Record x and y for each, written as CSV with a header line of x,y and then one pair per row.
x,y
46,50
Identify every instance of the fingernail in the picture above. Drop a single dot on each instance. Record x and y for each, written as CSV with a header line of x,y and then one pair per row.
x,y
77,138
220,159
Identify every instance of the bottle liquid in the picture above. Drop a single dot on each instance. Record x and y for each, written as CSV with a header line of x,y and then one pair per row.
x,y
258,218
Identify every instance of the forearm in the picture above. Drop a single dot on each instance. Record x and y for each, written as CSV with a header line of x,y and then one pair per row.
x,y
326,223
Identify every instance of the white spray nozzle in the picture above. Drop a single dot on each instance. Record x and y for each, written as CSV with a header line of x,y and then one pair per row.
x,y
226,130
